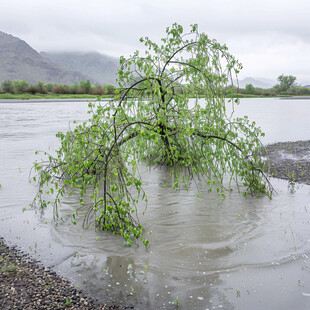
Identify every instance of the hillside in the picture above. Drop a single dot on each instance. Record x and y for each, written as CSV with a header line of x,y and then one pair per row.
x,y
256,83
18,61
100,68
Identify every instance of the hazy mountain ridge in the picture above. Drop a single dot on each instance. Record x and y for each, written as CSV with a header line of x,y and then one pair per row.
x,y
19,61
100,68
260,83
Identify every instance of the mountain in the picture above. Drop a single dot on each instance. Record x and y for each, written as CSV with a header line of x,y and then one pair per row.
x,y
100,68
261,83
19,61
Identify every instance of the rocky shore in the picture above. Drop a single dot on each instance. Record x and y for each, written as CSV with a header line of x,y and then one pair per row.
x,y
26,285
290,161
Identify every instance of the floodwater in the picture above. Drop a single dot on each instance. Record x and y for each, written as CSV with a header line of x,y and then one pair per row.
x,y
205,253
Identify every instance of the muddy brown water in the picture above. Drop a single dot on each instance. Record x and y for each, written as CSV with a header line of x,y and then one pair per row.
x,y
207,253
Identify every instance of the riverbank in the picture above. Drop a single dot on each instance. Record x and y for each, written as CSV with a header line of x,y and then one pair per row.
x,y
290,161
26,284
84,97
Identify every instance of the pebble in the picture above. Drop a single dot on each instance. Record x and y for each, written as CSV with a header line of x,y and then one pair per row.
x,y
25,284
290,158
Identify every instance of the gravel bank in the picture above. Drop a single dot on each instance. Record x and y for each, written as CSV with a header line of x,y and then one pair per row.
x,y
290,160
26,285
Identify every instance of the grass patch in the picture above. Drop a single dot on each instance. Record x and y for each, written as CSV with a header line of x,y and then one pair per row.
x,y
248,96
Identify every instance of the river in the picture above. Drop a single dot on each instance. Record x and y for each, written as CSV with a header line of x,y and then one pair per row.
x,y
207,253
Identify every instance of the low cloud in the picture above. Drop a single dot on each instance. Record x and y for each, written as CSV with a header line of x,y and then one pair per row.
x,y
268,37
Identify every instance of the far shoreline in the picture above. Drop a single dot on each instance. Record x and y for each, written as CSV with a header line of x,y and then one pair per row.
x,y
34,100
86,98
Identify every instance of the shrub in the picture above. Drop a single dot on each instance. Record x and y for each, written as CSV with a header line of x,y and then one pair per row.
x,y
49,87
98,90
61,89
109,89
86,86
249,89
7,86
41,88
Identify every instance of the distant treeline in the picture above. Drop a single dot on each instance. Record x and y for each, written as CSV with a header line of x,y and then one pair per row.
x,y
22,87
285,87
274,91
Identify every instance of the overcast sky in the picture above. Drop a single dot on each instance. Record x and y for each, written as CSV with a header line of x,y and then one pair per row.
x,y
269,37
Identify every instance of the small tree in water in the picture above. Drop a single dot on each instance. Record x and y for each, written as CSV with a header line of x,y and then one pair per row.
x,y
152,119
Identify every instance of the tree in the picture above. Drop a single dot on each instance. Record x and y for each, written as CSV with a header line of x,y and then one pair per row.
x,y
149,121
49,87
109,89
86,86
41,88
20,86
7,86
61,89
74,88
285,82
249,89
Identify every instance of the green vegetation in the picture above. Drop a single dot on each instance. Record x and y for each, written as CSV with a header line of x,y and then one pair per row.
x,y
250,89
285,82
177,302
23,90
10,267
152,120
51,96
7,266
68,302
285,87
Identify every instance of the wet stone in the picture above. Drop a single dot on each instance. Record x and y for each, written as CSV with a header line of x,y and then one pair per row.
x,y
23,286
290,161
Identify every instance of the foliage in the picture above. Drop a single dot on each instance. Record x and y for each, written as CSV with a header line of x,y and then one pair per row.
x,y
86,86
109,89
249,89
7,86
48,87
97,90
68,302
285,82
41,88
27,96
299,91
32,89
61,89
149,121
20,86
74,88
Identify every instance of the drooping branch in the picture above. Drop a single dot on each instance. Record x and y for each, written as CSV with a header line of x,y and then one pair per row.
x,y
205,136
151,120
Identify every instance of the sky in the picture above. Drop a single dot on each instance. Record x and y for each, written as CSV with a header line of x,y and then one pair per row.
x,y
269,37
